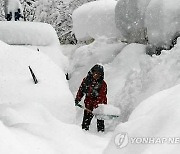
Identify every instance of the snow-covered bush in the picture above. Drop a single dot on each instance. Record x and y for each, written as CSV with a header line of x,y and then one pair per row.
x,y
155,21
129,19
2,13
162,22
95,19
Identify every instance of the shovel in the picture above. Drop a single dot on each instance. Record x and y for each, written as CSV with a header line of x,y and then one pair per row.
x,y
99,116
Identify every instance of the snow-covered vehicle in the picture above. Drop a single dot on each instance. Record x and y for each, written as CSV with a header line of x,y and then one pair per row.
x,y
35,35
26,44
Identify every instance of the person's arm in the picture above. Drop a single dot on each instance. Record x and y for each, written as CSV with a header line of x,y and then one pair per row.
x,y
80,92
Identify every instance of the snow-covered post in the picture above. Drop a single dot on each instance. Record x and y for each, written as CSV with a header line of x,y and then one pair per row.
x,y
12,9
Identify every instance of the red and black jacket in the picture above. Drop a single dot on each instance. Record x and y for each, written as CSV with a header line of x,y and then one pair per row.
x,y
94,91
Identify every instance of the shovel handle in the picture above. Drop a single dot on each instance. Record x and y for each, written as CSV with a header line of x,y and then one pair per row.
x,y
79,105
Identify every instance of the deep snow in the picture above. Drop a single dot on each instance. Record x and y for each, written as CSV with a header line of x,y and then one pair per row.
x,y
41,119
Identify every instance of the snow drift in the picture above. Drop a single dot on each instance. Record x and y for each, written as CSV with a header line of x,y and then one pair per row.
x,y
156,117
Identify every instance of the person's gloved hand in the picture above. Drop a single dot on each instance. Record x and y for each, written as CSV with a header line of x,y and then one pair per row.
x,y
76,103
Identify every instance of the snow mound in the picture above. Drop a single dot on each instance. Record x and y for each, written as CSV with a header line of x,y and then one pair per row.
x,y
155,118
95,19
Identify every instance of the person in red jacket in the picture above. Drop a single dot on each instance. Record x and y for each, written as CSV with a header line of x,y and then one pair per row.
x,y
94,88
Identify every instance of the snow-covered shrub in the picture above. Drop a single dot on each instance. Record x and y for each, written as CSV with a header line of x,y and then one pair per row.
x,y
162,22
129,18
95,19
155,21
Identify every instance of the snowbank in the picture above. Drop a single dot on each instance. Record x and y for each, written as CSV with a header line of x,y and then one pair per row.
x,y
34,35
31,128
95,19
157,117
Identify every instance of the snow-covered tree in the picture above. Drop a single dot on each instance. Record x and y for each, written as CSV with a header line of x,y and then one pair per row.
x,y
2,15
55,12
29,8
129,17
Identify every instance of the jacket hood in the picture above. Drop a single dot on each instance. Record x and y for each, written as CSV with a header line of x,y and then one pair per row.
x,y
97,68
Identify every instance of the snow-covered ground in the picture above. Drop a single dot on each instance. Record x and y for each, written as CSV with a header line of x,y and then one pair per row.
x,y
42,119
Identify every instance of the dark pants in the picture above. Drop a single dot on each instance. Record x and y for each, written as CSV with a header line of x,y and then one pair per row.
x,y
87,121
